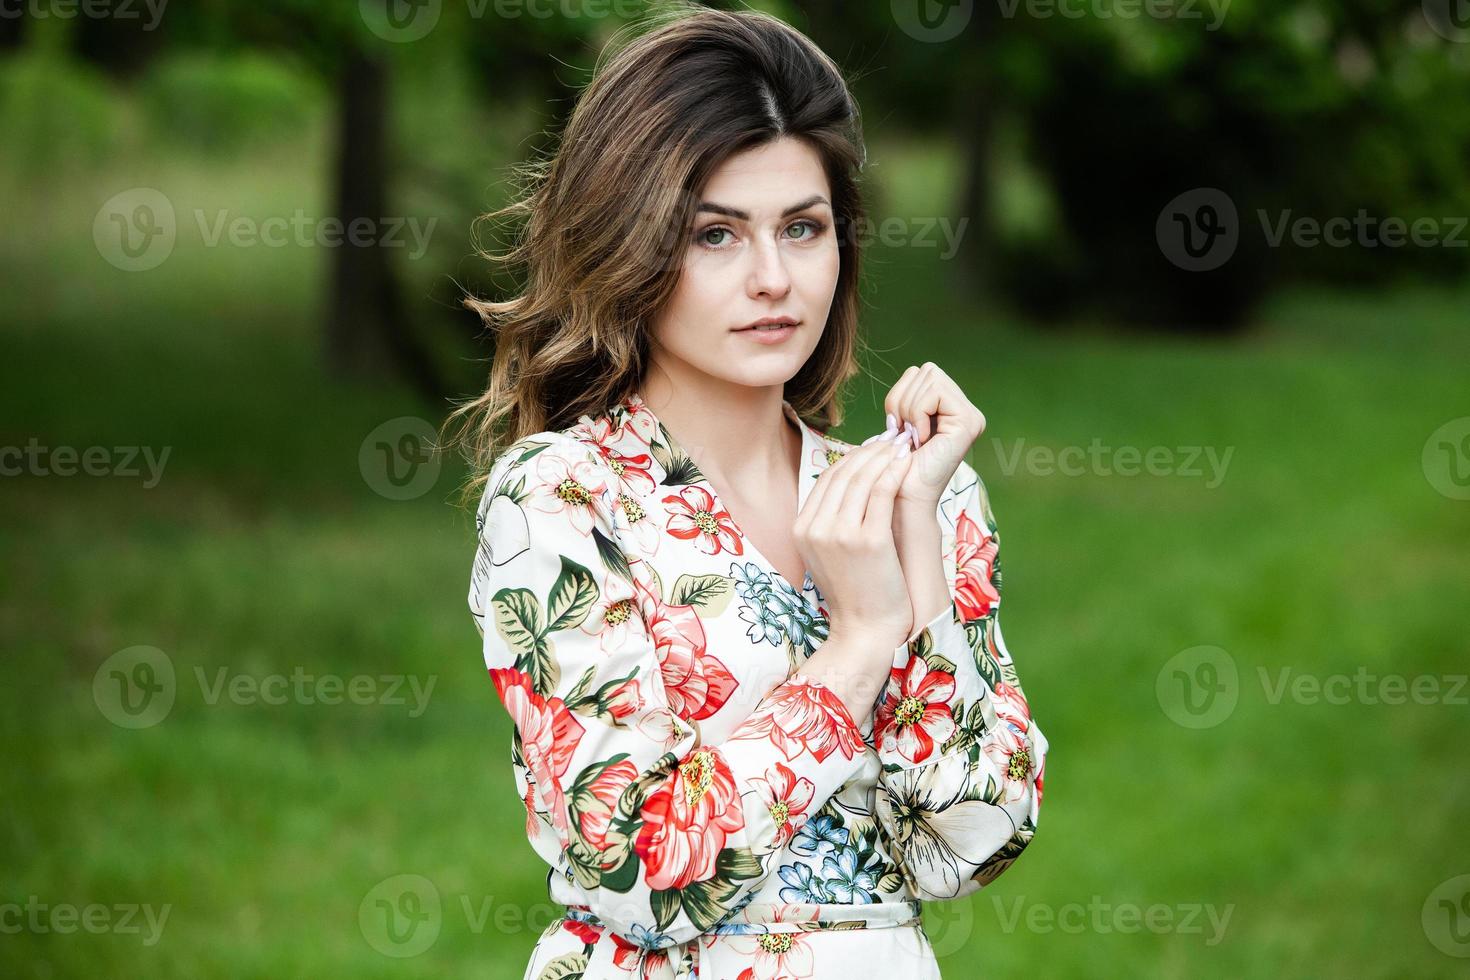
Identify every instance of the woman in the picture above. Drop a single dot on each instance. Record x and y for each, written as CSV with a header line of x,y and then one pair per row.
x,y
762,705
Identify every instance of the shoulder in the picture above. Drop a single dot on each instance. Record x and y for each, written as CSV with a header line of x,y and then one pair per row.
x,y
548,478
543,455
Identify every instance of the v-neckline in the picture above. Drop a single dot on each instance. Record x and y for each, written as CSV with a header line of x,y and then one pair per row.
x,y
806,476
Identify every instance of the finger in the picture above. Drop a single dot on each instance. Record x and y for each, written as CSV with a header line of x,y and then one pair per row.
x,y
919,379
917,406
894,398
859,491
827,480
926,408
885,492
958,407
831,506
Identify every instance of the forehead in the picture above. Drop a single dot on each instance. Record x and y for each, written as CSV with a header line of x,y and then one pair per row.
x,y
769,177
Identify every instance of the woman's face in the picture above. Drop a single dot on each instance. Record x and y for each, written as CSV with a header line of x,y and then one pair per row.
x,y
761,245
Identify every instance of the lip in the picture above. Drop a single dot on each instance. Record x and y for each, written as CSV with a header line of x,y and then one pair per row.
x,y
769,336
788,320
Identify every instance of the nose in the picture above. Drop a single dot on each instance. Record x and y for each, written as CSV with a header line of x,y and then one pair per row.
x,y
769,277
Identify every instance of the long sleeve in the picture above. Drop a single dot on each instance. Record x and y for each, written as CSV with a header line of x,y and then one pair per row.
x,y
606,676
962,760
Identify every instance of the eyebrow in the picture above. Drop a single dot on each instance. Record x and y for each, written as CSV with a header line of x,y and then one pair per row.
x,y
743,216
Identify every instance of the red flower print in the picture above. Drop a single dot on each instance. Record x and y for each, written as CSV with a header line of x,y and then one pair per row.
x,y
605,789
784,955
625,700
1010,706
532,823
622,454
915,710
804,715
687,821
787,797
646,964
585,931
694,516
974,559
568,488
696,682
1011,756
549,735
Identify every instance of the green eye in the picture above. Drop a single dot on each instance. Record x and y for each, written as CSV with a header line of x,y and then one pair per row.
x,y
704,235
811,226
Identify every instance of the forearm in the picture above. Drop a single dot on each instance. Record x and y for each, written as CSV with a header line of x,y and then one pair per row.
x,y
916,533
855,668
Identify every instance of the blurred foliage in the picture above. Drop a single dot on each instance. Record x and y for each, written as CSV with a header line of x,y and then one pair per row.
x,y
228,102
264,548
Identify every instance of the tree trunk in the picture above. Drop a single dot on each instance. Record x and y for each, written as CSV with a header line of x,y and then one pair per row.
x,y
367,332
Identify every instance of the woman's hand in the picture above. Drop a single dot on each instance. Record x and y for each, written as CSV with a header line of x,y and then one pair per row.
x,y
845,534
943,423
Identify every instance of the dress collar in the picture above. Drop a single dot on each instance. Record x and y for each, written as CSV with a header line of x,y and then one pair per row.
x,y
817,453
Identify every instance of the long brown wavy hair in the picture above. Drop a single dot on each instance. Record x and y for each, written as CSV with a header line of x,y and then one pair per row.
x,y
606,217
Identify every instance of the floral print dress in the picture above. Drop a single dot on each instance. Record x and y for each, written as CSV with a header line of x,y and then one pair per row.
x,y
705,812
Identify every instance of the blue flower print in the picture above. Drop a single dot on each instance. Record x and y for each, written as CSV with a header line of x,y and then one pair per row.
x,y
847,881
820,835
802,885
648,939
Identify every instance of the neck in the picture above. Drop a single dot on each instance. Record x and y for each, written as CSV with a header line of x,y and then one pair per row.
x,y
737,434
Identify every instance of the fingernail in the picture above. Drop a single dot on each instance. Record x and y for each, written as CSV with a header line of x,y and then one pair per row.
x,y
892,422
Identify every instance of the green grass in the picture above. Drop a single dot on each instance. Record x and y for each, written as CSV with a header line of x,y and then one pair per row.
x,y
1321,828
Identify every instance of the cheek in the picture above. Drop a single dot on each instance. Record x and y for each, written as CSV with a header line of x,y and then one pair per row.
x,y
696,308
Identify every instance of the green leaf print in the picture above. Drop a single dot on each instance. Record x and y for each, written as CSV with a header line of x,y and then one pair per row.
x,y
518,618
570,966
665,905
708,592
572,595
709,901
